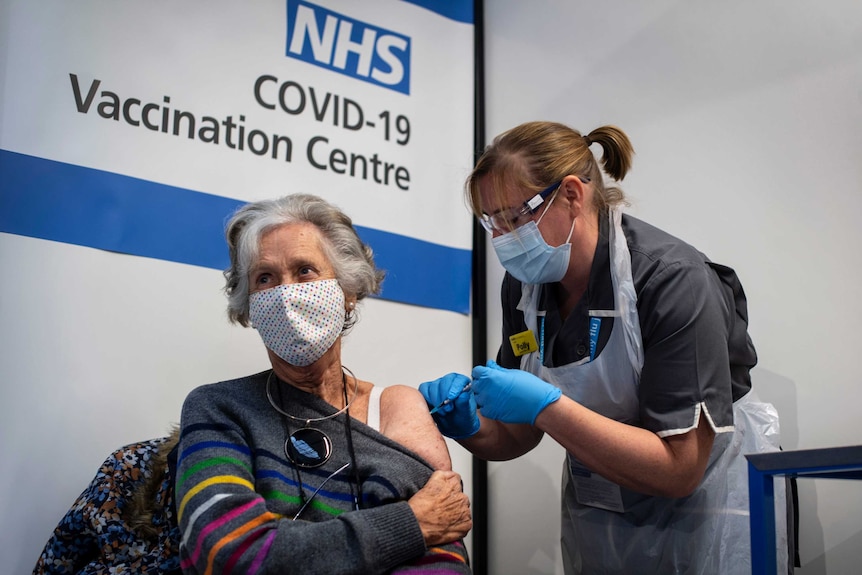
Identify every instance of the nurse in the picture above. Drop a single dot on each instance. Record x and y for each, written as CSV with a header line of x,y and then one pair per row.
x,y
628,347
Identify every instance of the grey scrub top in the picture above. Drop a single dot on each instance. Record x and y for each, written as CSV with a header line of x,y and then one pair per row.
x,y
694,326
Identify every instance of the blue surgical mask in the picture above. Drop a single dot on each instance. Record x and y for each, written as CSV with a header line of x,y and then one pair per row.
x,y
526,255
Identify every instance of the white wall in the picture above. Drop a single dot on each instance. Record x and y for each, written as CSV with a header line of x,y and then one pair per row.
x,y
746,116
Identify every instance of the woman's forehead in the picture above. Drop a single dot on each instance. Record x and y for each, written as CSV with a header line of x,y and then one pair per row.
x,y
293,238
289,231
497,194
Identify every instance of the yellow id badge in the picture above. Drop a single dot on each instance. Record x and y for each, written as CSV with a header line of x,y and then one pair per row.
x,y
523,343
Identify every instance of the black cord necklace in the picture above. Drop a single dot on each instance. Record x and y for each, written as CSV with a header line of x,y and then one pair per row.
x,y
310,447
357,497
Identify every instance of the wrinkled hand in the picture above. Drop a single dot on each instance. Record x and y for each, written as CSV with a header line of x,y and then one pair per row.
x,y
511,395
457,419
442,508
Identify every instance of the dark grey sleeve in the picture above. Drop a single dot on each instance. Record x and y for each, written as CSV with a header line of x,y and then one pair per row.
x,y
513,321
685,330
368,541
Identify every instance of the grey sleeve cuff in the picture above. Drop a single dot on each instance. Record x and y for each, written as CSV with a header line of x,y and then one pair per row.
x,y
398,536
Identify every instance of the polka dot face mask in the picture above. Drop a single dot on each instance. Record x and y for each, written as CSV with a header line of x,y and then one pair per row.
x,y
300,321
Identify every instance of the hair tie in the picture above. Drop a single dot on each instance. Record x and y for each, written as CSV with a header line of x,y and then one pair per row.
x,y
588,141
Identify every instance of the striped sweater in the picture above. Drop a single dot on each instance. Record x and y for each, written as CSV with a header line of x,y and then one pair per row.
x,y
237,493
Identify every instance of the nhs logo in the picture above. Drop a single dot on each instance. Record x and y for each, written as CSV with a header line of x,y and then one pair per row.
x,y
347,46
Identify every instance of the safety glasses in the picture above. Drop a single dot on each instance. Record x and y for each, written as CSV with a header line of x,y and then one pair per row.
x,y
506,220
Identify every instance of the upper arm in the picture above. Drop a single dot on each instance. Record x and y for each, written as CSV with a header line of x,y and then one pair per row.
x,y
214,458
404,418
691,453
685,337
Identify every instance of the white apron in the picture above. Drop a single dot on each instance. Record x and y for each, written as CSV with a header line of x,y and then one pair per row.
x,y
608,529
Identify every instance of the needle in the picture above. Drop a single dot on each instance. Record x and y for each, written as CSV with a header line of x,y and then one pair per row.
x,y
448,401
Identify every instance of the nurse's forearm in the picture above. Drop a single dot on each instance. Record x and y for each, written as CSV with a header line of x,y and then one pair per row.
x,y
498,441
630,456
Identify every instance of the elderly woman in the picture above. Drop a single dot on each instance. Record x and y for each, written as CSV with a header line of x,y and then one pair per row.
x,y
305,468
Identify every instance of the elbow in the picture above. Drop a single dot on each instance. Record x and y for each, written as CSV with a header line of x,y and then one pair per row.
x,y
497,441
687,467
681,491
680,486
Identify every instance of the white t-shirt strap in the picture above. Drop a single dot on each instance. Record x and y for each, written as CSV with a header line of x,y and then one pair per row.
x,y
374,407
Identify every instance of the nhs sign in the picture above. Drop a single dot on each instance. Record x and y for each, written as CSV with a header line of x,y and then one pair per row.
x,y
347,46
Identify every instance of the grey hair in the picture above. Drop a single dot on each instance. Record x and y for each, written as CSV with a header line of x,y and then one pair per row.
x,y
352,259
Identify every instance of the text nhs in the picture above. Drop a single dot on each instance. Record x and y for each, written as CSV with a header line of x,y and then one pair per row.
x,y
348,46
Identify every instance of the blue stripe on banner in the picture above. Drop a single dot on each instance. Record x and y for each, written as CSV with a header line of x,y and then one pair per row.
x,y
83,206
458,10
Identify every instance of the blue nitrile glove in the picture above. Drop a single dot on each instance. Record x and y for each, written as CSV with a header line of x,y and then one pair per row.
x,y
457,419
511,395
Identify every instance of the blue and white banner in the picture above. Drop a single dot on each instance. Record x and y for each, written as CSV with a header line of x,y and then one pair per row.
x,y
139,127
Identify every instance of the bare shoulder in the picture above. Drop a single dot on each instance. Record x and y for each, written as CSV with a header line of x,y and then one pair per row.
x,y
400,404
402,397
404,418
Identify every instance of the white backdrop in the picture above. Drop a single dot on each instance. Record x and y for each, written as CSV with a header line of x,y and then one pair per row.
x,y
153,125
100,348
746,118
